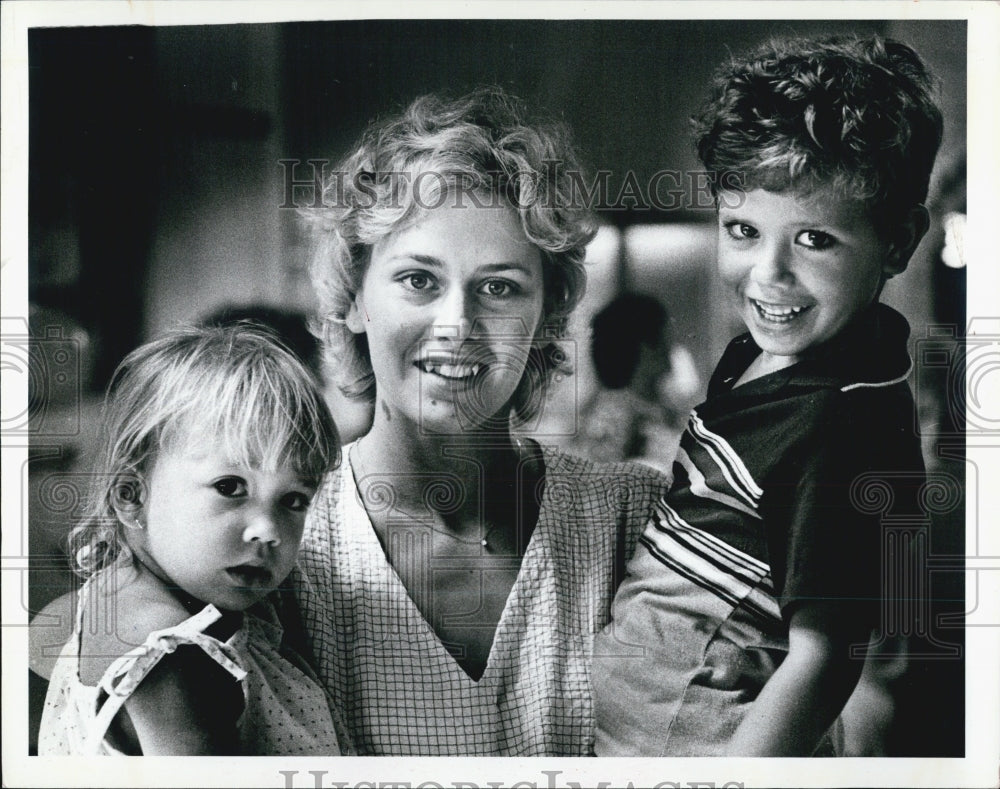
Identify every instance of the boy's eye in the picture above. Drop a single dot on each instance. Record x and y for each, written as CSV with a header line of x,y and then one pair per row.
x,y
815,239
498,287
231,487
741,230
296,501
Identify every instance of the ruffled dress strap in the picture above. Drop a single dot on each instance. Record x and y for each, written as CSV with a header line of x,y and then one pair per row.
x,y
126,673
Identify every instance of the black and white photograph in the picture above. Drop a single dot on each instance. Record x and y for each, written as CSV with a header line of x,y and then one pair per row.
x,y
607,392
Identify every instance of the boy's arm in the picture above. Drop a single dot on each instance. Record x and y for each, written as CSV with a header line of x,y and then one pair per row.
x,y
810,688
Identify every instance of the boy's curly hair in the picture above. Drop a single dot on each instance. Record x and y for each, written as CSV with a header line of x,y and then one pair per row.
x,y
857,114
478,144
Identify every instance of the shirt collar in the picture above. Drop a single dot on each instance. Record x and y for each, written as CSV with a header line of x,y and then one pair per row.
x,y
868,352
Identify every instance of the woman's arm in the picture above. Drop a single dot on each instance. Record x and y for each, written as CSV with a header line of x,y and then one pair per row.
x,y
51,628
810,688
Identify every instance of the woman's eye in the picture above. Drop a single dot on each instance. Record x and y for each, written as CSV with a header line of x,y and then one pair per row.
x,y
417,281
498,287
231,487
815,239
741,230
296,502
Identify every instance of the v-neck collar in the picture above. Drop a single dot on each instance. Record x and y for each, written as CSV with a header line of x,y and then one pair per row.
x,y
362,533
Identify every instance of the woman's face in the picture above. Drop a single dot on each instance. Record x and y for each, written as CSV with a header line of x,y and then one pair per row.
x,y
450,306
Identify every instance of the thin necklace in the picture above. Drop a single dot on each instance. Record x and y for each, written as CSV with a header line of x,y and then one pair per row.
x,y
483,542
490,526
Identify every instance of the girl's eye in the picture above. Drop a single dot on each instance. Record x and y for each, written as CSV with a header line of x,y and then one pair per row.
x,y
815,239
498,287
296,502
741,230
230,487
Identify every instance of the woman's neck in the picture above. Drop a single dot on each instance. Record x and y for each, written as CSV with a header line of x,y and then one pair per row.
x,y
405,457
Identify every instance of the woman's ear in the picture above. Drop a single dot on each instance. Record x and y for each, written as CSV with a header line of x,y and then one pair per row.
x,y
905,237
354,319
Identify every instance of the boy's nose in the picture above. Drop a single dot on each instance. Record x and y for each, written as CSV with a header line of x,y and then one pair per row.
x,y
773,265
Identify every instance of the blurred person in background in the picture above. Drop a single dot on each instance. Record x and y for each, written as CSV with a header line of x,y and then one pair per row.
x,y
648,384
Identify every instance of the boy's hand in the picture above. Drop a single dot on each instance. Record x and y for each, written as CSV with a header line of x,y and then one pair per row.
x,y
810,688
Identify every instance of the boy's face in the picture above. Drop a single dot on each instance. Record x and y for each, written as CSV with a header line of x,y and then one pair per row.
x,y
800,267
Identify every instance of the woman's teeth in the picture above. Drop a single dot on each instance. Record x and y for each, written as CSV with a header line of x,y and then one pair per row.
x,y
777,313
450,370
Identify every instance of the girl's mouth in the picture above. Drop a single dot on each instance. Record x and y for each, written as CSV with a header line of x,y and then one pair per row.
x,y
251,576
778,313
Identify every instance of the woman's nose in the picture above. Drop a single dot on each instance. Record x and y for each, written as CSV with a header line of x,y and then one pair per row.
x,y
453,319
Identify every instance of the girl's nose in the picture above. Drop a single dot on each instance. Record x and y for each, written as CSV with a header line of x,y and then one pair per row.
x,y
263,527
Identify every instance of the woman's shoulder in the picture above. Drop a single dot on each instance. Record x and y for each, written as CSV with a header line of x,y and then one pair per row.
x,y
325,511
329,489
624,484
563,462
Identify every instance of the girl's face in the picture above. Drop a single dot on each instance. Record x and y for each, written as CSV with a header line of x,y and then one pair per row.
x,y
450,306
224,533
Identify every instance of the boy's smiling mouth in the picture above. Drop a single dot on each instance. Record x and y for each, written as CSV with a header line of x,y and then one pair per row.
x,y
778,313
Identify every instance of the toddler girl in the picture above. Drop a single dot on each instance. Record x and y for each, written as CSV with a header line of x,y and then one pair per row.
x,y
216,440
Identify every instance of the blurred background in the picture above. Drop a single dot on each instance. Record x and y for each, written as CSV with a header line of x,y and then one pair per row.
x,y
161,191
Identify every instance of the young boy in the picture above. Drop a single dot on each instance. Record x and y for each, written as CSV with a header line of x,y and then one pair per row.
x,y
731,632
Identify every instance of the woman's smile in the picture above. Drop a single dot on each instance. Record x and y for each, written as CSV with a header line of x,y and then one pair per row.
x,y
449,366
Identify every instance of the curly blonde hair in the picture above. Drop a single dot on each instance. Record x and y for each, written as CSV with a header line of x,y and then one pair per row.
x,y
477,145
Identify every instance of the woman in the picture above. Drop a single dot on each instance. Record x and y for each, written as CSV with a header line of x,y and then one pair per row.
x,y
452,574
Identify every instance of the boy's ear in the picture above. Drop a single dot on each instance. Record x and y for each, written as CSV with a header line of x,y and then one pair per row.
x,y
905,237
354,319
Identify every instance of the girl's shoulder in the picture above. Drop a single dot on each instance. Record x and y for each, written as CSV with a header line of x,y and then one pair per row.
x,y
116,609
119,613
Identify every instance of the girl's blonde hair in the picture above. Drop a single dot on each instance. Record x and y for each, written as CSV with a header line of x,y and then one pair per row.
x,y
235,385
